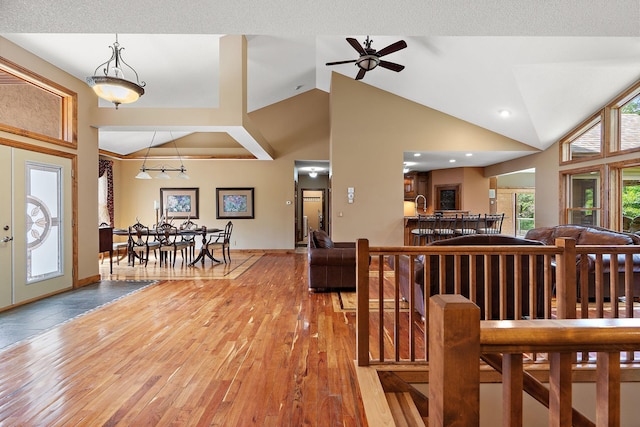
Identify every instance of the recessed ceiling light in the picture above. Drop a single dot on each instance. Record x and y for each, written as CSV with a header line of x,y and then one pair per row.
x,y
452,161
416,154
504,113
469,154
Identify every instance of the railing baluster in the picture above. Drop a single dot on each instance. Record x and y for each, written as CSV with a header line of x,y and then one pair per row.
x,y
608,389
512,389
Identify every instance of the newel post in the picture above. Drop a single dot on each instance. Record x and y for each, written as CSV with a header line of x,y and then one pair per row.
x,y
566,292
362,298
454,361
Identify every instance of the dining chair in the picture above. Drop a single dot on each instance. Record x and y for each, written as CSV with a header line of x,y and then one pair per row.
x,y
223,241
189,225
425,231
492,224
139,244
170,242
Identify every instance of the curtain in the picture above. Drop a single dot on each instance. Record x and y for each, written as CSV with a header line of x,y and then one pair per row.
x,y
106,167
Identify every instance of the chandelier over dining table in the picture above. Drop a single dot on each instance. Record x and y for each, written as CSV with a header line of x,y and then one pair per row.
x,y
163,168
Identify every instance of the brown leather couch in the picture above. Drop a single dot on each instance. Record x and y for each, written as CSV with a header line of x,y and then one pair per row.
x,y
592,235
332,265
474,240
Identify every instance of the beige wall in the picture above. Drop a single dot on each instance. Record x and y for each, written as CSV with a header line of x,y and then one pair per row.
x,y
297,129
370,130
547,184
475,191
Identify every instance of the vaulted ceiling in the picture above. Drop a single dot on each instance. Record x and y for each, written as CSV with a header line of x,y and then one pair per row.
x,y
550,66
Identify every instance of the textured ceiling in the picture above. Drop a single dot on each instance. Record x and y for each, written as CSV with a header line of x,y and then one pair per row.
x,y
550,65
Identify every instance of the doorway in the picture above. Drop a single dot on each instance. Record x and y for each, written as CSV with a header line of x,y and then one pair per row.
x,y
313,195
515,197
313,211
36,238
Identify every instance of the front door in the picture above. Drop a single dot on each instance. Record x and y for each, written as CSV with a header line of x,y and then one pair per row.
x,y
37,255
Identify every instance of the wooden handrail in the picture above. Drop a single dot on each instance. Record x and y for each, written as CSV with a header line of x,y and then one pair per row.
x,y
541,335
456,346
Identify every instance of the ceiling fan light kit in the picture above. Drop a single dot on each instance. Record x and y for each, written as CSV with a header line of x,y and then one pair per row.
x,y
112,86
370,58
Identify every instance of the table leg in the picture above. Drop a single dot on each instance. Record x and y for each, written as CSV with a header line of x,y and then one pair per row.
x,y
204,251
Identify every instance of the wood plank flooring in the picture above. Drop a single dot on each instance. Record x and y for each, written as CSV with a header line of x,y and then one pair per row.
x,y
255,350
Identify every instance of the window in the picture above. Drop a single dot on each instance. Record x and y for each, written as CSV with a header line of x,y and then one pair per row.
x,y
585,143
44,222
35,107
583,197
630,199
629,116
525,211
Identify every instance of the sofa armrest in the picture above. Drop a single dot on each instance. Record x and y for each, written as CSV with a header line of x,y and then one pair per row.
x,y
333,256
344,245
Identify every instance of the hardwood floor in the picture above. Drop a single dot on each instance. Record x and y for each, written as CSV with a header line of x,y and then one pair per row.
x,y
255,350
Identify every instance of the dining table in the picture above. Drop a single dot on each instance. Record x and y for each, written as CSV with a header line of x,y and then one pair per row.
x,y
198,231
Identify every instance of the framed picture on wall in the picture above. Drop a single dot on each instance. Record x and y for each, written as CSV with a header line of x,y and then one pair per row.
x,y
234,203
179,202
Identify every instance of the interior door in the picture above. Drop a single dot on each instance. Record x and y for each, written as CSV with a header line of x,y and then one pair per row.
x,y
6,229
41,261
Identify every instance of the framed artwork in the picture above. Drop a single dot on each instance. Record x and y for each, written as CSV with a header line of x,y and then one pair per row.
x,y
179,202
234,203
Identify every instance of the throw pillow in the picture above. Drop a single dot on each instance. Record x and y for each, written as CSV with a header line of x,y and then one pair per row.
x,y
322,239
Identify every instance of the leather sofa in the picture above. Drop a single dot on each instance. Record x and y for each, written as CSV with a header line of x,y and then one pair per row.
x,y
473,240
592,235
332,265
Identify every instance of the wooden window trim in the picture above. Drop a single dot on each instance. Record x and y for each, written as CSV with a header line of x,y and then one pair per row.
x,y
603,206
565,142
69,119
612,112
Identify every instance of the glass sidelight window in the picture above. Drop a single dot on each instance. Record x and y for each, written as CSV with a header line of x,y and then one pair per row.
x,y
44,221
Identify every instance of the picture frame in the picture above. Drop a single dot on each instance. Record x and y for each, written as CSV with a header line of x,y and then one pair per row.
x,y
235,203
179,203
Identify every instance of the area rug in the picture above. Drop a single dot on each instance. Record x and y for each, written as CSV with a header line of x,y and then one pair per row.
x,y
346,301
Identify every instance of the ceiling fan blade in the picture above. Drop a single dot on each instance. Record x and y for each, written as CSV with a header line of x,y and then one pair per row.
x,y
341,62
400,44
361,74
391,66
356,45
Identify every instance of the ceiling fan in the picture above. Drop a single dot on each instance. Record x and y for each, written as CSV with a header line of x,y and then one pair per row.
x,y
370,58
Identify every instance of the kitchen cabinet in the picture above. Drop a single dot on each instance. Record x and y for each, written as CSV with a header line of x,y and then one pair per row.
x,y
415,183
410,185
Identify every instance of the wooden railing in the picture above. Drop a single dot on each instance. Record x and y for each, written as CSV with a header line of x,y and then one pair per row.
x,y
387,333
459,340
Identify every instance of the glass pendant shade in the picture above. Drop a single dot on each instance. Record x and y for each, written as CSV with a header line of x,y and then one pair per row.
x,y
111,85
143,175
163,168
115,90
